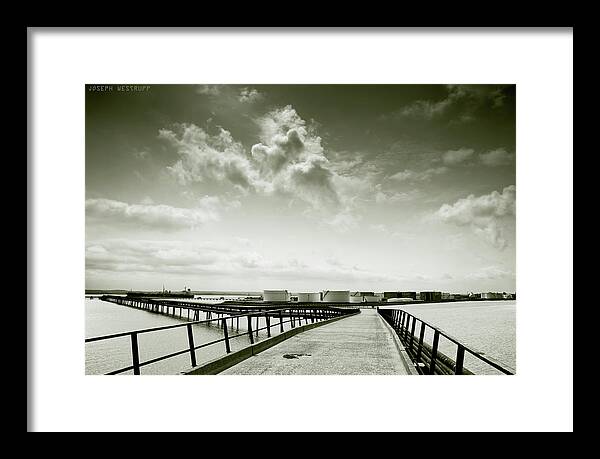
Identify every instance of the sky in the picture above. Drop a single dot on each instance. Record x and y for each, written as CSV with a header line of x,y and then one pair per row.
x,y
301,187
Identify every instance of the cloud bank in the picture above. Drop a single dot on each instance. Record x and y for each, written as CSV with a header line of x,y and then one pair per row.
x,y
161,217
486,214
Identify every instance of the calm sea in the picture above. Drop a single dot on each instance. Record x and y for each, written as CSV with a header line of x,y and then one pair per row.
x,y
487,326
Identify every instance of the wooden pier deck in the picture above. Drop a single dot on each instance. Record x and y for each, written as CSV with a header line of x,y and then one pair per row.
x,y
361,344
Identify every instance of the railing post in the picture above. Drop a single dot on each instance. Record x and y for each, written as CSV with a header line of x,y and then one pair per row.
x,y
268,320
135,356
191,343
401,326
227,348
412,333
434,348
250,329
280,322
460,360
420,347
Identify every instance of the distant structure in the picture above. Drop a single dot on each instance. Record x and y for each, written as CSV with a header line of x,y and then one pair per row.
x,y
401,300
361,297
276,295
411,295
492,296
460,296
447,296
430,296
314,297
185,293
335,296
306,297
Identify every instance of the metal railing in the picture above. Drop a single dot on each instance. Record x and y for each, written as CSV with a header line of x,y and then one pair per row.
x,y
295,316
428,359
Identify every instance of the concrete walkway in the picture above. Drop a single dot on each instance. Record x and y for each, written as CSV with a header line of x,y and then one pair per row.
x,y
358,345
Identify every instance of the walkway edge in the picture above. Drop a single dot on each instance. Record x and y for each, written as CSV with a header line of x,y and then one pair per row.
x,y
406,360
220,364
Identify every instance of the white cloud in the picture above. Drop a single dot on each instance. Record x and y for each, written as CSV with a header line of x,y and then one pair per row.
x,y
249,95
208,89
461,101
344,221
453,157
209,157
486,214
292,159
491,273
378,228
160,217
498,157
391,197
141,154
288,160
413,176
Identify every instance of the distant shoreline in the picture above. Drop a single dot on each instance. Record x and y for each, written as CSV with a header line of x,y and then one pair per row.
x,y
195,292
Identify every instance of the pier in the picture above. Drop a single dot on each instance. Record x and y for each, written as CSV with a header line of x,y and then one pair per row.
x,y
360,344
304,338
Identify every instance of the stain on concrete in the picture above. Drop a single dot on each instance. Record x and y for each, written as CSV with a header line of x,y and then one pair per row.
x,y
294,356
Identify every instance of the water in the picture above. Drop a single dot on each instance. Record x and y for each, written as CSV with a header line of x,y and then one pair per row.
x,y
103,318
487,326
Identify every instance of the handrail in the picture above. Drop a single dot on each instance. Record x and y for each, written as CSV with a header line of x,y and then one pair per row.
x,y
401,320
295,313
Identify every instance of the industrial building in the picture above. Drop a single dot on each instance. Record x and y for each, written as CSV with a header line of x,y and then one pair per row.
x,y
276,295
430,296
491,296
361,297
335,296
388,295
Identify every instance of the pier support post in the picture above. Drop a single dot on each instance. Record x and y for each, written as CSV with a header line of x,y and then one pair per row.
x,y
250,329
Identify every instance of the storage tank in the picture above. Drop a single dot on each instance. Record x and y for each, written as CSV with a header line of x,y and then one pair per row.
x,y
314,297
336,296
372,298
302,297
356,297
276,295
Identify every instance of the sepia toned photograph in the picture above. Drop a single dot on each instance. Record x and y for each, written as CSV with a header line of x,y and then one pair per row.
x,y
322,229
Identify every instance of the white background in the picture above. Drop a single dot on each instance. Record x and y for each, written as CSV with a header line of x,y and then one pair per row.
x,y
539,398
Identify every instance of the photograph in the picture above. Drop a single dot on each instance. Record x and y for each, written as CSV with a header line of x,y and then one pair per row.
x,y
300,229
